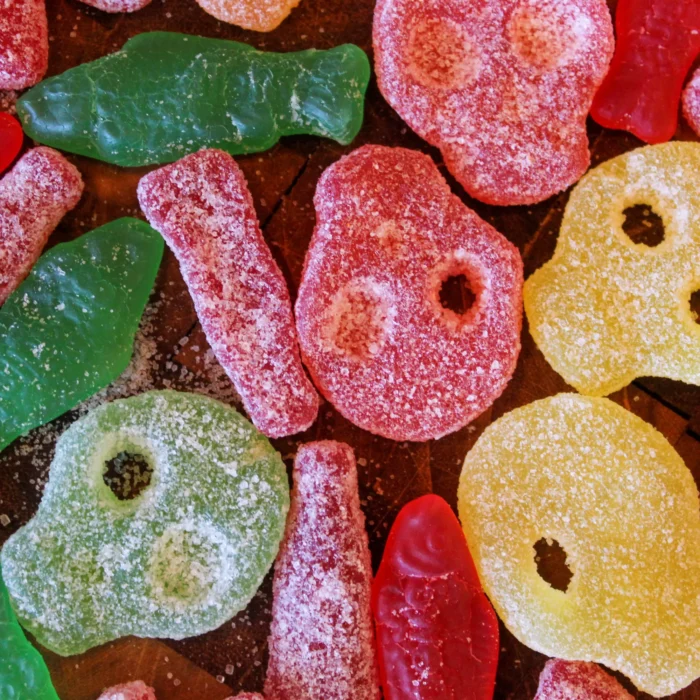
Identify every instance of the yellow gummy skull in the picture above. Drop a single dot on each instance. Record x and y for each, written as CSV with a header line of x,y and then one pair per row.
x,y
258,15
606,310
618,498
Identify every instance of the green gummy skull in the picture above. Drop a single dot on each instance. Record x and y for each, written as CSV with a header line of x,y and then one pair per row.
x,y
165,95
179,559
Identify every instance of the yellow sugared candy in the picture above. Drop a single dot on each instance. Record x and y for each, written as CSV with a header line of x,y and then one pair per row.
x,y
620,501
258,15
606,310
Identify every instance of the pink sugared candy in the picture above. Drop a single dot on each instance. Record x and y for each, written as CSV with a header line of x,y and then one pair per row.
x,y
247,696
114,6
691,102
501,87
373,330
136,690
24,43
202,207
322,641
34,196
578,680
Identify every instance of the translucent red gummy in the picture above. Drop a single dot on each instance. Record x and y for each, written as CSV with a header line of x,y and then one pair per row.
x,y
136,690
501,87
24,43
576,680
34,196
321,641
11,138
437,633
202,207
372,329
657,42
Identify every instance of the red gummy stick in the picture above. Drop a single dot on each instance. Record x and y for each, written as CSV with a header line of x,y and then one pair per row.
x,y
24,43
202,207
11,138
136,690
436,631
657,42
321,641
34,196
578,680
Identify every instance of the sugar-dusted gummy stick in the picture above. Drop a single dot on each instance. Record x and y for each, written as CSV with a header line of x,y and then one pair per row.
x,y
578,680
24,43
321,641
204,210
34,196
115,6
165,95
135,690
68,330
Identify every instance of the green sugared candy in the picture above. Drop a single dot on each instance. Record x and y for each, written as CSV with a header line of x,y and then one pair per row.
x,y
165,95
179,559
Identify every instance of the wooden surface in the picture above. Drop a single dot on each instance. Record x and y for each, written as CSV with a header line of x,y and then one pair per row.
x,y
282,182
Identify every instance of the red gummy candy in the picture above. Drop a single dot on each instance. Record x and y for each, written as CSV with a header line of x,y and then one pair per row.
x,y
247,696
11,138
373,332
321,641
202,207
437,633
501,87
691,102
578,680
34,196
24,43
657,42
136,690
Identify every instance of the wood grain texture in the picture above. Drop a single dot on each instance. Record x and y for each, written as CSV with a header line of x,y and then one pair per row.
x,y
283,181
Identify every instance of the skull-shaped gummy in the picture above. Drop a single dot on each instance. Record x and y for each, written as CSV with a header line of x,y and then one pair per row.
x,y
502,87
606,310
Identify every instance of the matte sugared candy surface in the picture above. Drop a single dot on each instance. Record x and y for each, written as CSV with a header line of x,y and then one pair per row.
x,y
34,196
258,15
322,639
114,6
68,330
11,139
622,504
578,680
437,633
136,690
373,332
606,310
691,102
165,95
204,210
501,87
24,43
179,559
657,42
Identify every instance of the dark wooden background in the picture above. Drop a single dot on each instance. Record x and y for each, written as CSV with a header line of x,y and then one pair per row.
x,y
282,180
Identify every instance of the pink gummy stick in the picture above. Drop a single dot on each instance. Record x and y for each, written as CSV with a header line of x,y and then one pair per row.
x,y
573,680
322,641
34,196
136,690
24,43
202,207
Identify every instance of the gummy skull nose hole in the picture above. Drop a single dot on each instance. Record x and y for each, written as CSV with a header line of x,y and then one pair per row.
x,y
550,558
695,305
456,294
127,475
643,225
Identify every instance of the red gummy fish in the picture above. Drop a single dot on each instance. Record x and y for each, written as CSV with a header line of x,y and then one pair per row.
x,y
436,631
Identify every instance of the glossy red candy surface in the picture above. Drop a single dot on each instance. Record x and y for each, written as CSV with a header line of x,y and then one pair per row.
x,y
11,137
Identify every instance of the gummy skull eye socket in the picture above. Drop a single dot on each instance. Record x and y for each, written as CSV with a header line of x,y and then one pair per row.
x,y
643,225
550,558
127,474
456,294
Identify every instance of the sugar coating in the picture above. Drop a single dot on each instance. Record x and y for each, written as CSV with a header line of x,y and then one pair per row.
x,y
136,690
321,640
691,102
114,6
204,210
247,696
373,333
618,498
24,43
578,680
179,559
34,196
501,87
606,310
258,15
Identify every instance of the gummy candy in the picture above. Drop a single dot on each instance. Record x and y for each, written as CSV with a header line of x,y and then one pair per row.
x,y
691,102
437,633
68,330
204,210
34,196
165,95
247,696
657,42
180,558
373,332
24,43
114,6
322,642
23,673
501,87
136,690
578,680
11,138
258,15
605,310
617,497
